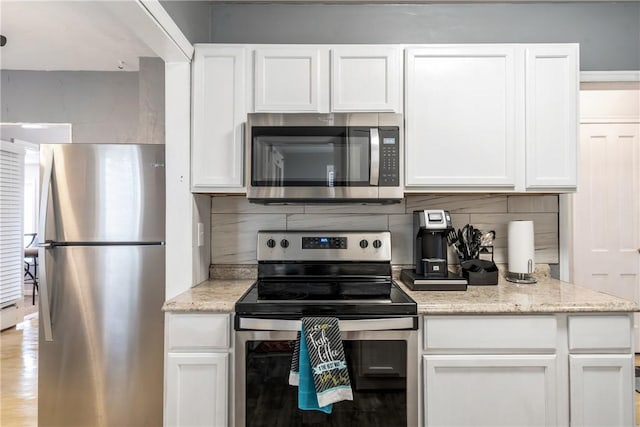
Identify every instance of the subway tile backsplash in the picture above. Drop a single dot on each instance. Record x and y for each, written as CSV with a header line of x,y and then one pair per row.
x,y
235,222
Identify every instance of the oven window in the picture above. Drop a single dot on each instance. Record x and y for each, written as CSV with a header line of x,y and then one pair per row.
x,y
310,157
377,371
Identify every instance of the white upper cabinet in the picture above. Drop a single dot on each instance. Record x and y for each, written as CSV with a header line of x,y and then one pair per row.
x,y
291,79
462,108
219,114
491,117
323,79
478,117
551,116
366,78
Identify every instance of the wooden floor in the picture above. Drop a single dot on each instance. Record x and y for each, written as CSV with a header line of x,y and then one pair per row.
x,y
19,375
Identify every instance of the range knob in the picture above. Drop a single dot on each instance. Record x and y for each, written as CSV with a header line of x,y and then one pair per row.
x,y
271,243
377,243
363,243
284,243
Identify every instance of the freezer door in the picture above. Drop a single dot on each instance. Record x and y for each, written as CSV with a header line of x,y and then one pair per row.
x,y
104,366
104,192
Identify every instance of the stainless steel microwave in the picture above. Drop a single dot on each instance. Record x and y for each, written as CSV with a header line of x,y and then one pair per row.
x,y
340,157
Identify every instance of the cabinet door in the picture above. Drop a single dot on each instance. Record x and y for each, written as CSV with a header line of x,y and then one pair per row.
x,y
551,117
219,114
601,390
462,117
366,79
291,80
196,389
496,390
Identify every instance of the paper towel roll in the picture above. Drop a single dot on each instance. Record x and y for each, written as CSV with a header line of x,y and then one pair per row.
x,y
520,247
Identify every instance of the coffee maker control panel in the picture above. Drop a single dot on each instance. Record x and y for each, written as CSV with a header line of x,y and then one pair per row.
x,y
437,219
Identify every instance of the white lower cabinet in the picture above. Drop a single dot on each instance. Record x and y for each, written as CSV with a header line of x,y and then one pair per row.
x,y
493,370
490,390
602,390
197,369
601,373
528,370
197,389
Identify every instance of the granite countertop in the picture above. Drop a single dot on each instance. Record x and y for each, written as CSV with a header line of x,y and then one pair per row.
x,y
547,296
219,295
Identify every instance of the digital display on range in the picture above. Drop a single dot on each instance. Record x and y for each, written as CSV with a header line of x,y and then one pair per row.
x,y
324,243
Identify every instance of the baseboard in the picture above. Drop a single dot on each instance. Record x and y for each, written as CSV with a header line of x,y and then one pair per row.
x,y
11,316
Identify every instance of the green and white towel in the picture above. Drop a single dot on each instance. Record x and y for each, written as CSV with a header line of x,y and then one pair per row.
x,y
323,347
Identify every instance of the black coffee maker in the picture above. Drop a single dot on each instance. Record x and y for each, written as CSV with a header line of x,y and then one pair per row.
x,y
430,229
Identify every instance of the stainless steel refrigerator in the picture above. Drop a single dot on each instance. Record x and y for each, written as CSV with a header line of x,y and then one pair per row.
x,y
102,269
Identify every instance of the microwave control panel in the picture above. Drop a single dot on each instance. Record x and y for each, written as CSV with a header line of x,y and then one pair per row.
x,y
389,157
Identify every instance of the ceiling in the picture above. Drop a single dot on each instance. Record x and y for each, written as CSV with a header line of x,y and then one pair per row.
x,y
66,35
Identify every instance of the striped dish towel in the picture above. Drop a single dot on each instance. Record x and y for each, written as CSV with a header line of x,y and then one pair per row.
x,y
319,366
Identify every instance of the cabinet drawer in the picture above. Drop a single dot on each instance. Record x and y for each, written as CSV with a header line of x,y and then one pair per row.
x,y
490,334
600,333
198,331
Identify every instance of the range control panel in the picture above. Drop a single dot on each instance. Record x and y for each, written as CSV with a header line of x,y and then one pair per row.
x,y
324,242
324,246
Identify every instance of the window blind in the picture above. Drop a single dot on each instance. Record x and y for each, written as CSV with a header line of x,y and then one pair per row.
x,y
11,222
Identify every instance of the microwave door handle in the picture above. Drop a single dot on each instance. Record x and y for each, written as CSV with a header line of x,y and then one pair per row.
x,y
374,173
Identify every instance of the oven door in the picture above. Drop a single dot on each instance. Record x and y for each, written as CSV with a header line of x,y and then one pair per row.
x,y
383,368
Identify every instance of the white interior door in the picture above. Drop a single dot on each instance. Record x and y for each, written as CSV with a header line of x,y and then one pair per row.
x,y
607,210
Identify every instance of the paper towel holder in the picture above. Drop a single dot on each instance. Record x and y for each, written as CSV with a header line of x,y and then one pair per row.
x,y
526,278
520,236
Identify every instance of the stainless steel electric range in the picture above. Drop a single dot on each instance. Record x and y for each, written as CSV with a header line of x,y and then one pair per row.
x,y
346,275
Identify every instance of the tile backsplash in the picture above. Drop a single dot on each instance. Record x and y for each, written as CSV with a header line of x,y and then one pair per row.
x,y
235,222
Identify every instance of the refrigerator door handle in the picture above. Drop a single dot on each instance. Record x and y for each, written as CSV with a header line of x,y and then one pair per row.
x,y
42,247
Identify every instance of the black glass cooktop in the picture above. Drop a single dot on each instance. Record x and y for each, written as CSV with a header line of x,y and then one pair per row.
x,y
339,299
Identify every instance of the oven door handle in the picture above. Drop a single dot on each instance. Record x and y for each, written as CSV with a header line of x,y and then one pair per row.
x,y
382,324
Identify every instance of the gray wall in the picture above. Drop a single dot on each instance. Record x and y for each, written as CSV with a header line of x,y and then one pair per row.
x,y
192,17
151,101
102,106
608,33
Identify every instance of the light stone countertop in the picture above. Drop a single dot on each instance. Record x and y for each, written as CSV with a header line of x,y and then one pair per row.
x,y
546,296
218,295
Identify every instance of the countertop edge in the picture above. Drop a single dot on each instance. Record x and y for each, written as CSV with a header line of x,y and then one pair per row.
x,y
220,296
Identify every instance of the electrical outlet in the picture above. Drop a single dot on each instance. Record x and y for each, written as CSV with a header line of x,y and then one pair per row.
x,y
200,234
